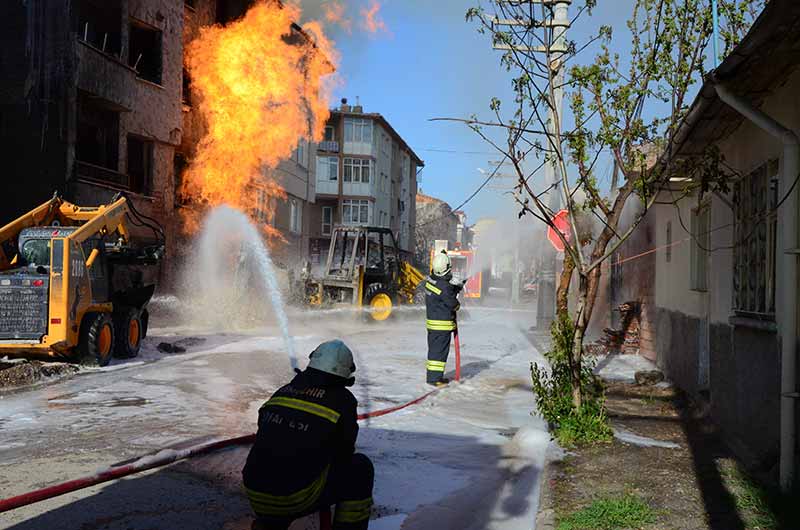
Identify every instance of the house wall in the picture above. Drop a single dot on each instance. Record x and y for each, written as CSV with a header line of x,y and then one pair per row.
x,y
744,354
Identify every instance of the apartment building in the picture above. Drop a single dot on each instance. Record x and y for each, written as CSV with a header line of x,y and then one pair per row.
x,y
366,174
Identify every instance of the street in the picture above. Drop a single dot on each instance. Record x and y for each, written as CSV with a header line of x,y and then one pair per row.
x,y
467,457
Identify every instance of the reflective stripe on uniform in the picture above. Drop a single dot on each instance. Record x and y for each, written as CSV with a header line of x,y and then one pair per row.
x,y
432,288
436,366
287,505
304,406
353,511
441,325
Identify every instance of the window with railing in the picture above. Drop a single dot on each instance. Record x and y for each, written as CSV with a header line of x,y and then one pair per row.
x,y
145,51
755,200
99,23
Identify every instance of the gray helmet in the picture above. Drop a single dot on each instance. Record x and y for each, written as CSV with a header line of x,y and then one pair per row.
x,y
333,357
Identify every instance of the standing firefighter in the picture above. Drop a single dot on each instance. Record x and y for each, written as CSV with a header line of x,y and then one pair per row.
x,y
441,304
304,455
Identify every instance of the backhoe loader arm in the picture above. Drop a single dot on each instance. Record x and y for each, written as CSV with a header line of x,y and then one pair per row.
x,y
40,216
104,219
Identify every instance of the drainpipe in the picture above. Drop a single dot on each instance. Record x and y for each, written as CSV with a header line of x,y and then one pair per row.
x,y
788,328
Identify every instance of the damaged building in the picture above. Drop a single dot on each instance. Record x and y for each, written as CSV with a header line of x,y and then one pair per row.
x,y
95,100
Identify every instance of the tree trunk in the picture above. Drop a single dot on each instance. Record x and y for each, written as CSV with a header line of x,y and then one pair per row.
x,y
576,355
562,293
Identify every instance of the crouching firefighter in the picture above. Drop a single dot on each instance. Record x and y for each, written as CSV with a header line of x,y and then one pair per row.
x,y
304,455
441,304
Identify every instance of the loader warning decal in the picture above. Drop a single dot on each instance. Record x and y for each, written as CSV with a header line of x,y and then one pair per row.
x,y
23,308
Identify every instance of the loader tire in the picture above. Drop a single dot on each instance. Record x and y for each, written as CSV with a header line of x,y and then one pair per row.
x,y
96,339
129,333
379,303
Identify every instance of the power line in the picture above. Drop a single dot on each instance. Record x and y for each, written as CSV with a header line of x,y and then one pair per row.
x,y
452,151
483,185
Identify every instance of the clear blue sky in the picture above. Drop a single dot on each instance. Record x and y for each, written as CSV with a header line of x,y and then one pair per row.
x,y
435,64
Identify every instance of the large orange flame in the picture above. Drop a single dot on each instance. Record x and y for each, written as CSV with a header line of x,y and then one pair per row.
x,y
262,85
373,22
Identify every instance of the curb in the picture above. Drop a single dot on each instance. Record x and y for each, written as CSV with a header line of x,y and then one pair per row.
x,y
546,515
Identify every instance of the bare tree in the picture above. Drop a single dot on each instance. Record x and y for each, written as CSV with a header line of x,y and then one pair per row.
x,y
625,107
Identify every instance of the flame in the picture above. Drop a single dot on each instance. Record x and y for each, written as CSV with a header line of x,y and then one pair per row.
x,y
334,14
373,23
261,86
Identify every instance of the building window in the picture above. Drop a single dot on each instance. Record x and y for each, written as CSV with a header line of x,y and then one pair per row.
x,y
357,170
265,207
755,226
327,168
186,88
97,141
358,130
145,51
295,217
301,152
140,164
330,134
99,23
701,241
179,165
669,241
327,220
356,212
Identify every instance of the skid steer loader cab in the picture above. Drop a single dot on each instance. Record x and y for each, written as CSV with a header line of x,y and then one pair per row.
x,y
365,268
71,285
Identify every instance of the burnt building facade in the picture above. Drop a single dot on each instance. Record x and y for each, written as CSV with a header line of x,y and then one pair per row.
x,y
94,100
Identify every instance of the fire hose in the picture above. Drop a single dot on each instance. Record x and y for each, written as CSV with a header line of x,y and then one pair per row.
x,y
168,456
162,458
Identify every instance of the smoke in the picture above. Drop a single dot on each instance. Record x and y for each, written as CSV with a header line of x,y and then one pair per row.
x,y
372,21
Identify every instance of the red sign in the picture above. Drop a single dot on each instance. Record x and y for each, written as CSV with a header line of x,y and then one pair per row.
x,y
561,222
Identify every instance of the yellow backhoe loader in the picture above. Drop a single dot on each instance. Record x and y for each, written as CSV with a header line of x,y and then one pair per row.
x,y
364,268
72,284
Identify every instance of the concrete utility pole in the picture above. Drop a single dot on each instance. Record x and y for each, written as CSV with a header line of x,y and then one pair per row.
x,y
550,259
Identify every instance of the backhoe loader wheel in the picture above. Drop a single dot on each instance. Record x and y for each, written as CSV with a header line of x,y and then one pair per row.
x,y
129,333
96,344
378,302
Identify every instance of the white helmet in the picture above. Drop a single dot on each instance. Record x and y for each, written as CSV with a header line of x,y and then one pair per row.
x,y
441,264
333,357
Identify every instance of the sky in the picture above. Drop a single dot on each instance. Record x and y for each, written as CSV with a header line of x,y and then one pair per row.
x,y
431,63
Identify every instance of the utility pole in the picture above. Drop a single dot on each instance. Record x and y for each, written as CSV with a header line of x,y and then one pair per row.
x,y
551,260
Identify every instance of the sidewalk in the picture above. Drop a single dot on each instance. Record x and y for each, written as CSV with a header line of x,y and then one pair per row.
x,y
665,463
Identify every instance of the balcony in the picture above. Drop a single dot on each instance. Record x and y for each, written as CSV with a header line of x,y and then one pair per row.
x,y
101,175
105,77
328,146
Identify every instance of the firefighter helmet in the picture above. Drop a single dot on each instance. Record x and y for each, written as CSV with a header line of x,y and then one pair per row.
x,y
333,357
441,264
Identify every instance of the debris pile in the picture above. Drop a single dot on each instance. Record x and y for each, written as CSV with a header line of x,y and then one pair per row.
x,y
19,373
624,340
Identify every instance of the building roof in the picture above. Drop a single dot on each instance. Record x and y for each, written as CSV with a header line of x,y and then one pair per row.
x,y
386,125
427,199
760,62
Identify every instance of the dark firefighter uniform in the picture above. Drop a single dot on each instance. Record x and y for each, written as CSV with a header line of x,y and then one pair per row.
x,y
304,455
441,304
